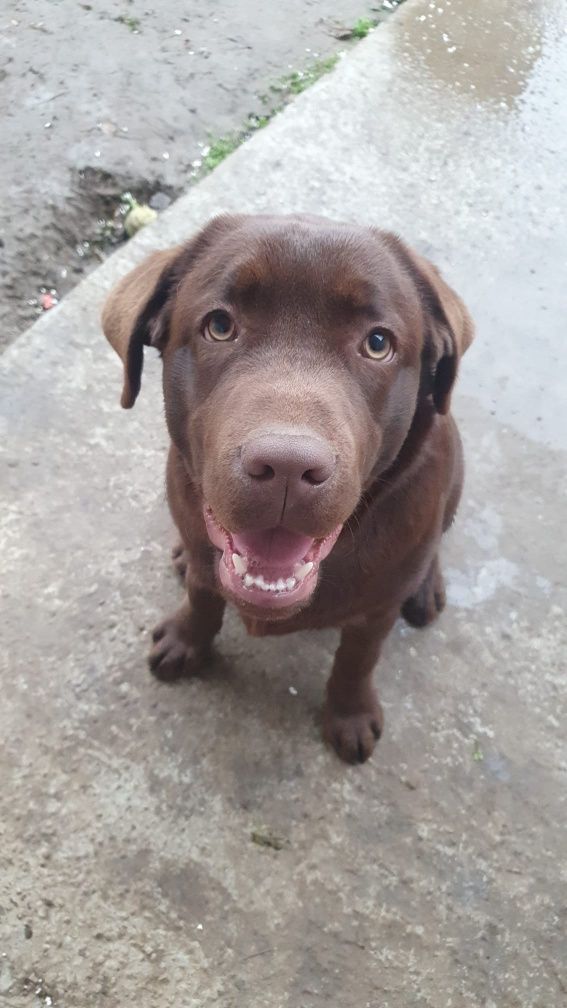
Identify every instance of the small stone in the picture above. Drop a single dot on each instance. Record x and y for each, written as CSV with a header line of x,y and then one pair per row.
x,y
410,784
159,201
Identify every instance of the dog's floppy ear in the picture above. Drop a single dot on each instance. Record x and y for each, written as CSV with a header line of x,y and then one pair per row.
x,y
136,313
451,330
133,315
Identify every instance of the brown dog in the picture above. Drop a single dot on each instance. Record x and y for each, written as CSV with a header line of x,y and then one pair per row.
x,y
307,375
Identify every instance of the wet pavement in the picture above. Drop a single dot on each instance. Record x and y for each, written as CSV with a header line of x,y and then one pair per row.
x,y
434,875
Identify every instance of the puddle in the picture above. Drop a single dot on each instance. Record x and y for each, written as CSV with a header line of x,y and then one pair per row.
x,y
472,50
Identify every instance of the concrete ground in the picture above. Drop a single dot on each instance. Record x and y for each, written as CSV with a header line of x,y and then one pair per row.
x,y
436,874
82,120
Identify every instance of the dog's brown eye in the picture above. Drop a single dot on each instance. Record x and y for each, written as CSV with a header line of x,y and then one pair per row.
x,y
220,327
378,345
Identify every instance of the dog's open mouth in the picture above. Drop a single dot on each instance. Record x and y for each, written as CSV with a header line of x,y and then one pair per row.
x,y
269,569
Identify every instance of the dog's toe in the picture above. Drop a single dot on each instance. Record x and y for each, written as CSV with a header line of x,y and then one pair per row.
x,y
158,632
172,657
180,560
168,659
354,736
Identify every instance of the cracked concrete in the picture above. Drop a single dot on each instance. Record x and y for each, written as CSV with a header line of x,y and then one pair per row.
x,y
435,875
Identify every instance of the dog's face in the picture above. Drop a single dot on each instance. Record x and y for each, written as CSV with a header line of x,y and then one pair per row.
x,y
295,351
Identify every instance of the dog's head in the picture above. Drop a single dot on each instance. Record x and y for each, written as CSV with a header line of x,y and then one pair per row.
x,y
295,354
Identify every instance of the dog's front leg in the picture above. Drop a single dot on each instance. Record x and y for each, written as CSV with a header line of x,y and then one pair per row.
x,y
182,643
352,719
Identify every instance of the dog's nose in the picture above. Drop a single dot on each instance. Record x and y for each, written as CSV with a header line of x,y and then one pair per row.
x,y
300,461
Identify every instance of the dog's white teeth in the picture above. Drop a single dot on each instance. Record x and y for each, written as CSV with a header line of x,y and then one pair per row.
x,y
250,581
240,565
302,570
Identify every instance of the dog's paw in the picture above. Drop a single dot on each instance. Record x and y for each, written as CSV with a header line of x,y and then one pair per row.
x,y
171,657
353,736
180,560
429,600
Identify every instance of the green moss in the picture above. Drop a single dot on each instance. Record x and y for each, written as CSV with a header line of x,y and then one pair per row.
x,y
133,23
286,88
281,93
221,147
219,150
267,838
300,80
362,27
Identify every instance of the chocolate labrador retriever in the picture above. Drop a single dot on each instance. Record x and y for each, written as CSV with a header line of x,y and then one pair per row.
x,y
307,375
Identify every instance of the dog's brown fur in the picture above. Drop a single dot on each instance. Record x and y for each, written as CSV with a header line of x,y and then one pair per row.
x,y
304,293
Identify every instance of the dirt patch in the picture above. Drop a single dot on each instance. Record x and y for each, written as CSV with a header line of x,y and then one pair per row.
x,y
99,100
74,238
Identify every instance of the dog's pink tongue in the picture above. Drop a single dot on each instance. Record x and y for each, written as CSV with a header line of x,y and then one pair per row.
x,y
273,547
